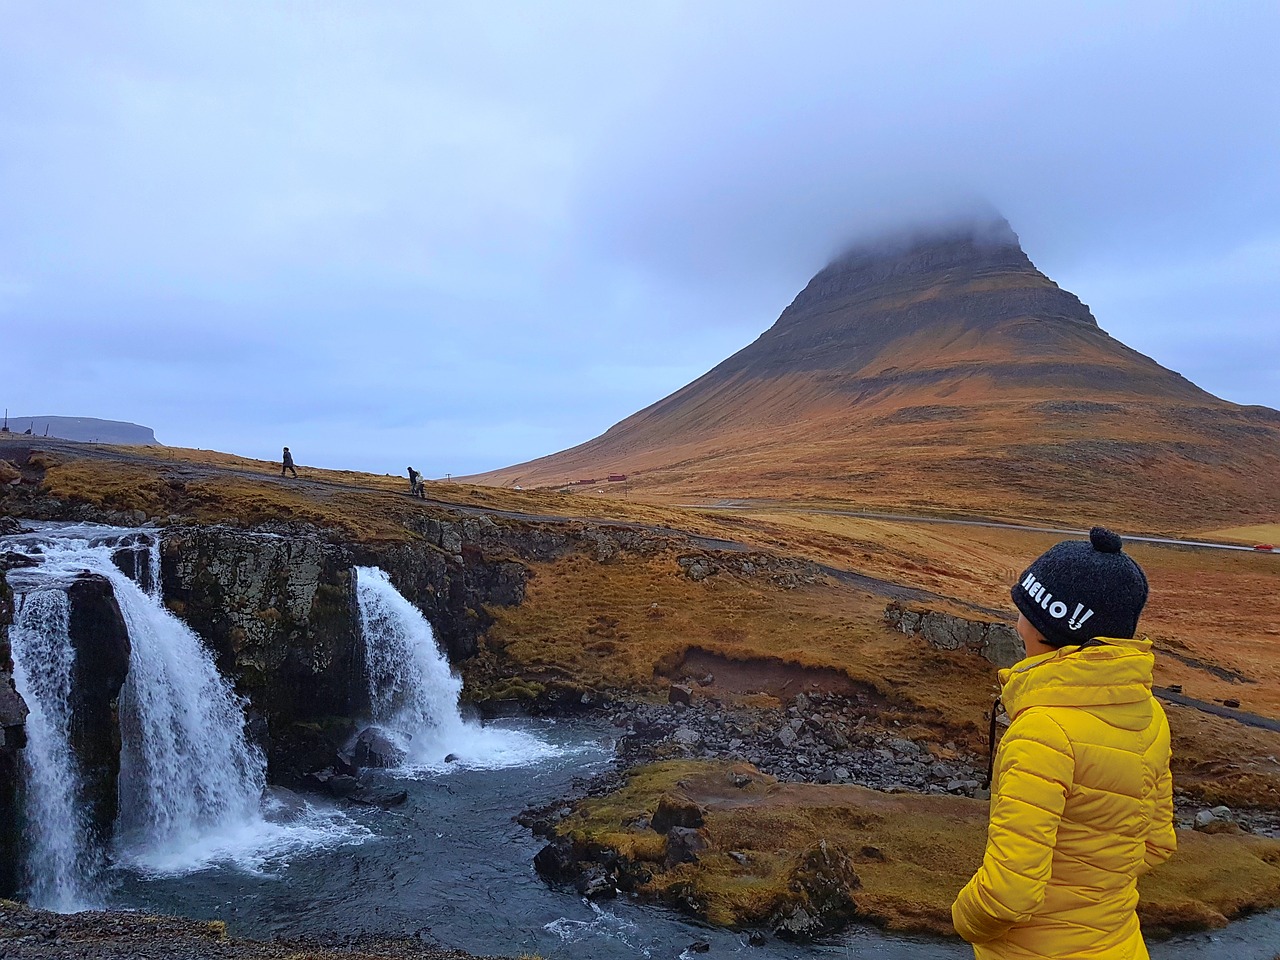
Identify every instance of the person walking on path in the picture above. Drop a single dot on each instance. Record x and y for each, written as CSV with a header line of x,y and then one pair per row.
x,y
287,464
1081,794
415,483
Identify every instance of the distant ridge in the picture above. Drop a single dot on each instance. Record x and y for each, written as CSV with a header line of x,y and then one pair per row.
x,y
940,370
86,429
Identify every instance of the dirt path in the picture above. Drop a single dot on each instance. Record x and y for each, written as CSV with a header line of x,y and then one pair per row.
x,y
967,522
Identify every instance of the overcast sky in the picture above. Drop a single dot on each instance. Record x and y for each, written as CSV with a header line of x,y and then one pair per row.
x,y
463,235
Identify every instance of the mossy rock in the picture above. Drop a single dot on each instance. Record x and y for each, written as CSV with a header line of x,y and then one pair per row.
x,y
807,859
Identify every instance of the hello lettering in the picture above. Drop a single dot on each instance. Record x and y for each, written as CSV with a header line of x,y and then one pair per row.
x,y
1055,608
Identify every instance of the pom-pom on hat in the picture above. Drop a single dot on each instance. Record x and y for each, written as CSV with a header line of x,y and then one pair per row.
x,y
1081,589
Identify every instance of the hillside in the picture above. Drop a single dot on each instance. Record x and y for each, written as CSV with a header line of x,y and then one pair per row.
x,y
944,372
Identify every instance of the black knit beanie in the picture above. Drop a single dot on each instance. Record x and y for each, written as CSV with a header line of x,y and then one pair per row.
x,y
1078,590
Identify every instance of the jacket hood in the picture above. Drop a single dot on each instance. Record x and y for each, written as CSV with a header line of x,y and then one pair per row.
x,y
1115,674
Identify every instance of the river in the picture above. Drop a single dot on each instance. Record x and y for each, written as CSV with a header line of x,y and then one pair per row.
x,y
452,865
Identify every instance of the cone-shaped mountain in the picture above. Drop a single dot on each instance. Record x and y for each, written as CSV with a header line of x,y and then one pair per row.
x,y
942,370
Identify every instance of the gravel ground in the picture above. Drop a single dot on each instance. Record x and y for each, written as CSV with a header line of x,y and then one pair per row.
x,y
31,934
830,738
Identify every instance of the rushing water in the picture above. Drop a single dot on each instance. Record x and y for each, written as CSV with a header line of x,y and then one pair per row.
x,y
450,864
414,693
60,867
191,785
453,866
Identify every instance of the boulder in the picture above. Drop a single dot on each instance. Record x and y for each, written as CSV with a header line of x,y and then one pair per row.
x,y
676,812
373,748
683,845
680,693
597,883
557,862
819,895
687,736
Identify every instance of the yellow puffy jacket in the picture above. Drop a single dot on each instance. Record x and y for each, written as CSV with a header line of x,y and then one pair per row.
x,y
1081,806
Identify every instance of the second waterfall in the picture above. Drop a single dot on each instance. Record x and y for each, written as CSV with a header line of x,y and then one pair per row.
x,y
414,694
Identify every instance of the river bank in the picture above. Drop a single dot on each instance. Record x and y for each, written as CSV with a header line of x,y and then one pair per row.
x,y
803,820
119,935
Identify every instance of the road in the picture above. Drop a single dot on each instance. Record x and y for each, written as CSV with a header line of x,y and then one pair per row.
x,y
994,524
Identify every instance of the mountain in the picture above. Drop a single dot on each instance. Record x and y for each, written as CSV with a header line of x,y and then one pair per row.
x,y
87,429
942,371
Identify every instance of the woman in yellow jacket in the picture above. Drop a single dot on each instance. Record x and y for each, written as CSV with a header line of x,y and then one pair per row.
x,y
1081,798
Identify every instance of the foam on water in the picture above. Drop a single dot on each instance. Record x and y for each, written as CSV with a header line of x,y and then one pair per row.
x,y
60,863
603,925
191,784
414,693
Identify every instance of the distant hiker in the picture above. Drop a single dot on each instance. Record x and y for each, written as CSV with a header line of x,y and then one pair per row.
x,y
1081,798
415,484
287,463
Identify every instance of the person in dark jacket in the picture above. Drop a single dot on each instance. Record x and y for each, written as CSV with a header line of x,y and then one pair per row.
x,y
287,463
415,483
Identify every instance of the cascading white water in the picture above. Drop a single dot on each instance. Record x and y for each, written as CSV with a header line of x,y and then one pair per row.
x,y
156,590
188,775
60,865
414,694
191,784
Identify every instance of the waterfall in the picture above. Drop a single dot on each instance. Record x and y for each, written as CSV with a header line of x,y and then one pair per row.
x,y
414,694
156,589
60,865
191,784
411,687
188,775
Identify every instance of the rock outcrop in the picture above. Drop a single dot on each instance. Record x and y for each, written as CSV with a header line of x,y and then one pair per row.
x,y
997,642
279,610
13,717
100,639
279,613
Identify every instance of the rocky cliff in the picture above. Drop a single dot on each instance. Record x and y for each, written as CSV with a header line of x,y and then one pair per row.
x,y
84,429
100,639
13,717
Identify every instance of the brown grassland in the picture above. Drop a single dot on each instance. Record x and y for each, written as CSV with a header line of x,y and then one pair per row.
x,y
628,626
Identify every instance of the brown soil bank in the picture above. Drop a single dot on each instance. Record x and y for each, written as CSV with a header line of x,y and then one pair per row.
x,y
736,848
35,935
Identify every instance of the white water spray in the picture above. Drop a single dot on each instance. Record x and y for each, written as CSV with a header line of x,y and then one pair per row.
x,y
59,862
156,590
188,775
191,784
414,694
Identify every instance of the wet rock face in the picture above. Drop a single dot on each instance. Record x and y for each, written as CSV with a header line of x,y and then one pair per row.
x,y
997,642
134,561
100,639
13,715
280,614
463,567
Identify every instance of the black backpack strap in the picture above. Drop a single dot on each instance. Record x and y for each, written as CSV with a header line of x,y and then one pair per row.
x,y
991,743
